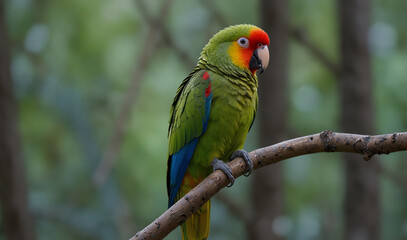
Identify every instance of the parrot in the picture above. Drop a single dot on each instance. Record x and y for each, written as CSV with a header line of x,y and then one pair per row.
x,y
211,114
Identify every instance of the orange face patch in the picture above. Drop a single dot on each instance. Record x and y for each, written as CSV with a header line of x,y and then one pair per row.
x,y
239,55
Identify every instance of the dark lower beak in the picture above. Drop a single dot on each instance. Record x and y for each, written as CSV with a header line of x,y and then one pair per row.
x,y
260,59
255,62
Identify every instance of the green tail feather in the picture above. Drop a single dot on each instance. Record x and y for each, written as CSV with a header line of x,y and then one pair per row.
x,y
196,227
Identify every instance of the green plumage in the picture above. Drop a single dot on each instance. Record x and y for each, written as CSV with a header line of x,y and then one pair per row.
x,y
233,87
232,109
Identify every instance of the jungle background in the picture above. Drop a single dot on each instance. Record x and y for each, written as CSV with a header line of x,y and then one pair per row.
x,y
85,93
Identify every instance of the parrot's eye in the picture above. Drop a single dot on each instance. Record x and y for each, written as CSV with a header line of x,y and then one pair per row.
x,y
243,42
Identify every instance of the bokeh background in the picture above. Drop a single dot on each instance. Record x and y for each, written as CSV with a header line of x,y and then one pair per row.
x,y
94,81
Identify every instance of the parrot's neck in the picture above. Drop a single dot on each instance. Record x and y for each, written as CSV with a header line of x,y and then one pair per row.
x,y
235,75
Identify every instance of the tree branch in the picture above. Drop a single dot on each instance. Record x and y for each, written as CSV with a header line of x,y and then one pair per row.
x,y
326,141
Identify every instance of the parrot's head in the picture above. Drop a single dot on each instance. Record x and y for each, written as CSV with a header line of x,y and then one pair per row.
x,y
239,47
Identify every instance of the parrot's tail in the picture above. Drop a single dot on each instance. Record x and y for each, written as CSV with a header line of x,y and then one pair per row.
x,y
196,227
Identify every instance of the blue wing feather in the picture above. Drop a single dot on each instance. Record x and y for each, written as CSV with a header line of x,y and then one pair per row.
x,y
208,102
179,165
179,161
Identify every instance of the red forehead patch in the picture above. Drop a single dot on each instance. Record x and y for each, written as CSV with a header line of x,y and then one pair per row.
x,y
258,36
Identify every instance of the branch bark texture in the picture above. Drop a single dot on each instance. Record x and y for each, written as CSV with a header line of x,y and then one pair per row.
x,y
326,141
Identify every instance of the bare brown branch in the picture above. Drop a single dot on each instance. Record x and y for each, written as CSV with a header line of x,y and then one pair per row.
x,y
326,141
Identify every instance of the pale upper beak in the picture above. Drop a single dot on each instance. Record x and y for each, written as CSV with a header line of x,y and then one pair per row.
x,y
260,59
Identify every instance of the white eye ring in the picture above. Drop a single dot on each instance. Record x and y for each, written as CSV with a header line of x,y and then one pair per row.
x,y
243,42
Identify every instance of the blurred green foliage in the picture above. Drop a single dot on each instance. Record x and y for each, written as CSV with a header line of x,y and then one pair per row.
x,y
72,62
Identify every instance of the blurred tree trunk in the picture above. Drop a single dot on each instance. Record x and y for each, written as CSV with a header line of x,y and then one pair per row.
x,y
16,219
267,183
362,212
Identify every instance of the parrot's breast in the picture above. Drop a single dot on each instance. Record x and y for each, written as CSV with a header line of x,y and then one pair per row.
x,y
231,115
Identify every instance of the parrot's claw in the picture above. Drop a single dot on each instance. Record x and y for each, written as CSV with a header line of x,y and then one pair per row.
x,y
220,165
243,154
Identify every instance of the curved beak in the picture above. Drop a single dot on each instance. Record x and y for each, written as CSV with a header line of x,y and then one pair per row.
x,y
259,59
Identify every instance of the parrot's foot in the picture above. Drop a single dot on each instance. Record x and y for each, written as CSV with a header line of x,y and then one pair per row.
x,y
243,154
220,165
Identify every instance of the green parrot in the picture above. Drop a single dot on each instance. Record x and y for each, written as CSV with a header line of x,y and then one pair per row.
x,y
211,114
